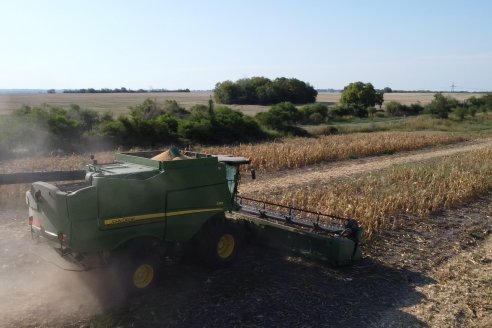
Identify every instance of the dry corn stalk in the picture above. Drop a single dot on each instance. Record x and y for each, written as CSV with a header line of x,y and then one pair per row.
x,y
418,189
299,152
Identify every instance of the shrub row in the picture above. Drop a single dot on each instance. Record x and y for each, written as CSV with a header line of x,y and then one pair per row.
x,y
47,128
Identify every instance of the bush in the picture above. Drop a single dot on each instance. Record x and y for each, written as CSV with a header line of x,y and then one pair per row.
x,y
441,106
38,129
394,108
197,128
89,119
147,110
172,107
339,111
329,130
460,112
234,126
224,125
55,119
315,118
279,116
414,109
483,103
313,113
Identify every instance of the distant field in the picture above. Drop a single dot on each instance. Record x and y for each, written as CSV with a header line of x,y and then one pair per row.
x,y
115,102
118,103
404,98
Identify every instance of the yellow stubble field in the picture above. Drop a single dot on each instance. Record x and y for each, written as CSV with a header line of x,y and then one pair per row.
x,y
118,103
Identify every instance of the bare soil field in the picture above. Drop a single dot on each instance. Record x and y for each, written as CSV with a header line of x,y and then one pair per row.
x,y
423,272
406,279
118,103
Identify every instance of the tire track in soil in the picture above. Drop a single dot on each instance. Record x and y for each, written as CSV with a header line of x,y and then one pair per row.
x,y
336,170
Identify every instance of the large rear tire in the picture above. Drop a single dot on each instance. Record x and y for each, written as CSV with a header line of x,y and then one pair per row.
x,y
218,244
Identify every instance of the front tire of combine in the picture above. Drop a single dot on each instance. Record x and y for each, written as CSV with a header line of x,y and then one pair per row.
x,y
219,244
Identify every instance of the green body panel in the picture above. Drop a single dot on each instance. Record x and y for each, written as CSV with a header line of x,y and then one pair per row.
x,y
136,197
50,208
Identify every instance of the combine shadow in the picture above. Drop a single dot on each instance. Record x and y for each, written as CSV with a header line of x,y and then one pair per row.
x,y
268,288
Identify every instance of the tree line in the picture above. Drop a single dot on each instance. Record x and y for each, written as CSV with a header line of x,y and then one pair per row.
x,y
118,90
263,91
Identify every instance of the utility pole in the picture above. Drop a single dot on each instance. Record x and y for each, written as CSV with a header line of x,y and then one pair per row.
x,y
452,86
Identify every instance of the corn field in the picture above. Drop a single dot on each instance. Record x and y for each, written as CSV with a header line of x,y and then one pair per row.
x,y
417,189
299,152
292,153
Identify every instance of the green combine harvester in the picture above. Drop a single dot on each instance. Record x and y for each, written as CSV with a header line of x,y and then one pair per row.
x,y
131,212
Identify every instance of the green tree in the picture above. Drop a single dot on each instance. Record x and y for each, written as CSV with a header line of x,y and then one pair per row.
x,y
146,110
173,108
379,99
361,94
260,90
441,106
226,92
279,116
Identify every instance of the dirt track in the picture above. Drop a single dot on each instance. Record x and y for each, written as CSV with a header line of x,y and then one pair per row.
x,y
398,284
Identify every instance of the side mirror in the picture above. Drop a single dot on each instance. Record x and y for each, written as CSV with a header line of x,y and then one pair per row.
x,y
253,174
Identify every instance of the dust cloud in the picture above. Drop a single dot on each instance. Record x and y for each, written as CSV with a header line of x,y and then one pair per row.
x,y
35,287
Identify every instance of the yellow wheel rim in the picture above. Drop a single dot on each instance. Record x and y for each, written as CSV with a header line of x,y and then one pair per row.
x,y
226,245
143,276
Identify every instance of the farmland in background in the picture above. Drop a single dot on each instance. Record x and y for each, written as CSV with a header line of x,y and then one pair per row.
x,y
118,103
330,98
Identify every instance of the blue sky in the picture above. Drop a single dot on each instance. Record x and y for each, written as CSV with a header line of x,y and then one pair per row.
x,y
195,44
